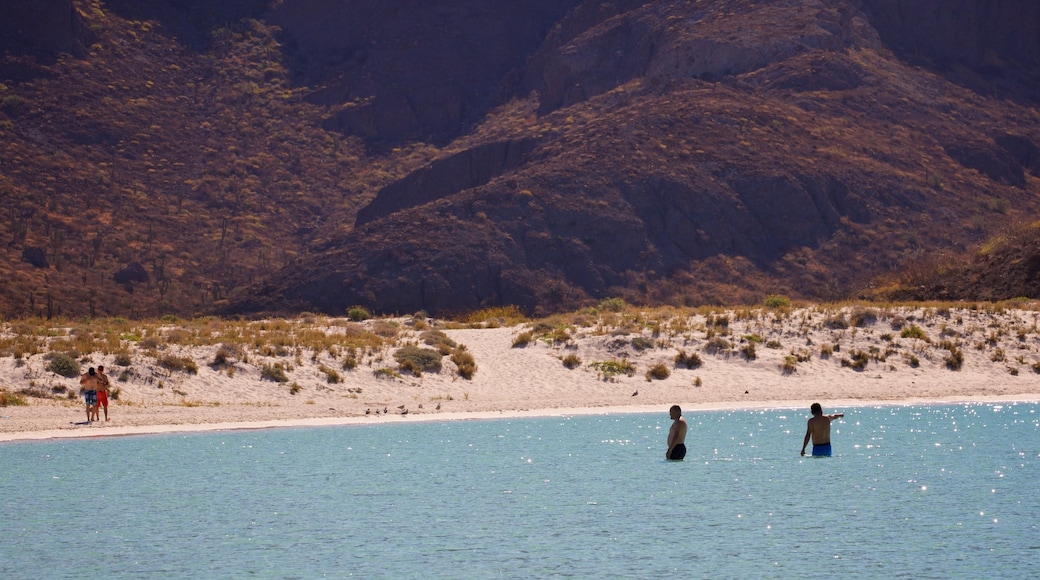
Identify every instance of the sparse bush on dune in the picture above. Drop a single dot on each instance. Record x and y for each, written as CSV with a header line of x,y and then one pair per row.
x,y
857,360
690,361
275,372
717,345
331,376
658,372
642,343
176,363
572,361
464,362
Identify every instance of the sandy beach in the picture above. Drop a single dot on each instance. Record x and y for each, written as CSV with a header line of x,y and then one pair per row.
x,y
617,362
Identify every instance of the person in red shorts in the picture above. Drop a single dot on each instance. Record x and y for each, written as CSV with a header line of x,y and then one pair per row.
x,y
102,390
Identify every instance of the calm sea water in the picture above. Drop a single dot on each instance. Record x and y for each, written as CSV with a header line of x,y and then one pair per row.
x,y
914,492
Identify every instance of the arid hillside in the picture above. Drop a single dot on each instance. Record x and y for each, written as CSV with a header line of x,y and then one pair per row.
x,y
188,157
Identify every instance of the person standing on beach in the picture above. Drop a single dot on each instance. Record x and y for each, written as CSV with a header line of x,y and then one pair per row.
x,y
102,390
89,384
818,429
676,435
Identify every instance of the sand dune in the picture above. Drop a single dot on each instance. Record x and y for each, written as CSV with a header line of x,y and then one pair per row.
x,y
999,357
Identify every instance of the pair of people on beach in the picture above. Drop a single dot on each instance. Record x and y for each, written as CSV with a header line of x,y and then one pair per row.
x,y
95,385
818,430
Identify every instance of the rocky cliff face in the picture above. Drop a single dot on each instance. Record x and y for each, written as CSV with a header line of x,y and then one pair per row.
x,y
683,152
743,146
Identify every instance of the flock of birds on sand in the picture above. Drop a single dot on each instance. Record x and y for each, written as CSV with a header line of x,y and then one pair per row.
x,y
401,409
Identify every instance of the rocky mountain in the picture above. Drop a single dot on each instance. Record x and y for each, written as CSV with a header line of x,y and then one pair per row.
x,y
317,154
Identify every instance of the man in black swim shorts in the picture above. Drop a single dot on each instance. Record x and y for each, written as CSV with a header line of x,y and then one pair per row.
x,y
676,435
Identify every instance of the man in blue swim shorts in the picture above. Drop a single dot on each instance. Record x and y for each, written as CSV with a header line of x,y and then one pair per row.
x,y
89,384
819,430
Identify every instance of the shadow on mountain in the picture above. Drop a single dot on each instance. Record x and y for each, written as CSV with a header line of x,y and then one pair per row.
x,y
191,21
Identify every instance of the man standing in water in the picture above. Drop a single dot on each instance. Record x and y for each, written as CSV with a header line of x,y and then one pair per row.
x,y
819,430
676,435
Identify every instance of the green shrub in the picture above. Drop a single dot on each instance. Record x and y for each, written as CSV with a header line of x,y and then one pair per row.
x,y
915,332
358,313
572,361
777,301
64,365
690,361
659,372
8,399
418,360
275,372
614,367
467,366
789,366
613,305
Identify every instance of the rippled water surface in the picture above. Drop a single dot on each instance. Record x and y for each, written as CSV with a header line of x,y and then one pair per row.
x,y
914,492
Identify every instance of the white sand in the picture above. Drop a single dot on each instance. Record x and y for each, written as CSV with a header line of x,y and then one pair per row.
x,y
533,381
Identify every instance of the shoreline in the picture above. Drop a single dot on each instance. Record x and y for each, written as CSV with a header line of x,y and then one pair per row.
x,y
173,429
212,375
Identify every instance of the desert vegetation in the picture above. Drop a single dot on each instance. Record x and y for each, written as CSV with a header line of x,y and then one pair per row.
x,y
612,342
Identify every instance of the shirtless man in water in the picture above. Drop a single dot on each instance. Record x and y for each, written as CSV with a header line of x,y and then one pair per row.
x,y
676,435
819,430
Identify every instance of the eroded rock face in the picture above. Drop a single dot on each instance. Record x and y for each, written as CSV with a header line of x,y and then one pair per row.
x,y
663,42
771,146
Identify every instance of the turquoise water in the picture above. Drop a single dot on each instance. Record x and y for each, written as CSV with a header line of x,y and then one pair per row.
x,y
914,492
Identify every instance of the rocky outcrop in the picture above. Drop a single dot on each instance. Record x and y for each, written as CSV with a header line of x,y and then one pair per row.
x,y
662,42
445,177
